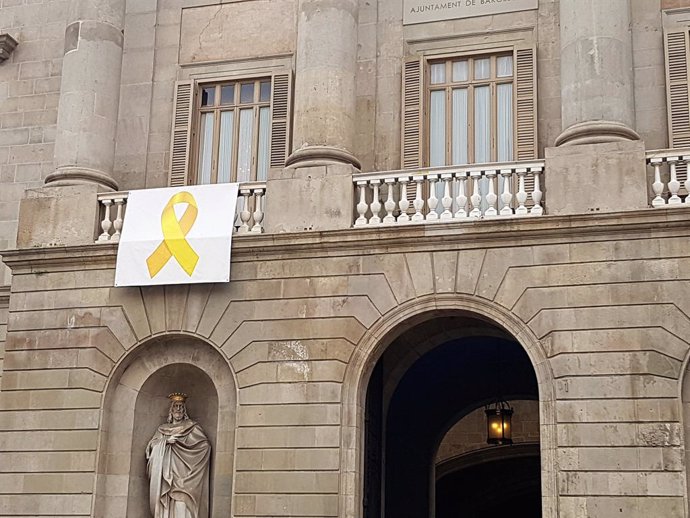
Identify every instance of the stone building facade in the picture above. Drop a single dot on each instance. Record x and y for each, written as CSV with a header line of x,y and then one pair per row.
x,y
442,204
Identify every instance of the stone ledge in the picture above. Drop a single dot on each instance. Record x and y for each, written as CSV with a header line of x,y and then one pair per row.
x,y
482,234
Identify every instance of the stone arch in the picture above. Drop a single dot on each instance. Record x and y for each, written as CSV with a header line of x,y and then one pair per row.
x,y
135,399
380,335
684,413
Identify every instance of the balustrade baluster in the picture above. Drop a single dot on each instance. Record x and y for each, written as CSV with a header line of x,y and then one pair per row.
x,y
447,200
389,219
673,184
418,200
375,204
362,205
245,214
537,209
491,197
521,194
685,159
461,199
432,202
658,185
117,224
404,202
476,197
258,211
106,224
507,196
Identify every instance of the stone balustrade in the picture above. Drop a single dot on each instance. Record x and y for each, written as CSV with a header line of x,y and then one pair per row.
x,y
670,182
457,193
249,214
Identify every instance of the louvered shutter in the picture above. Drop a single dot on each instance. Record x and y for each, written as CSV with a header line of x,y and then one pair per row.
x,y
181,134
526,103
525,59
412,114
676,46
280,119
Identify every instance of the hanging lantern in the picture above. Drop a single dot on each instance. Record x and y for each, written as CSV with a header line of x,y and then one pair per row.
x,y
499,429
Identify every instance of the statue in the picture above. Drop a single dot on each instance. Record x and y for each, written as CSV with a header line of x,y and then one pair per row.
x,y
177,466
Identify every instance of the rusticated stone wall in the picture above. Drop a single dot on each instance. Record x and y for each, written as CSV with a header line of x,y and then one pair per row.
x,y
599,302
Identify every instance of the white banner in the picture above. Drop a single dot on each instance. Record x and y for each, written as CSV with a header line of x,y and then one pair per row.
x,y
421,11
178,235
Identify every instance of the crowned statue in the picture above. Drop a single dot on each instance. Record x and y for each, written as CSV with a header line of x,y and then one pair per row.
x,y
177,465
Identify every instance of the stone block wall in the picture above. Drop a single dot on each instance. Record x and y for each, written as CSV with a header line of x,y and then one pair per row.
x,y
4,312
599,303
29,91
30,82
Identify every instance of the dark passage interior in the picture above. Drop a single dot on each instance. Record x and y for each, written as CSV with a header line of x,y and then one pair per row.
x,y
429,378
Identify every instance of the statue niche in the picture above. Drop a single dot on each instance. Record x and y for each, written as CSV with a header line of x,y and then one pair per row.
x,y
178,458
137,402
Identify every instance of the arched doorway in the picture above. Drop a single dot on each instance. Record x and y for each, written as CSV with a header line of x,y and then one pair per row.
x,y
427,379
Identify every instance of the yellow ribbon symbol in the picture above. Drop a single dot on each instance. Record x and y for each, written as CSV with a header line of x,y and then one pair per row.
x,y
174,242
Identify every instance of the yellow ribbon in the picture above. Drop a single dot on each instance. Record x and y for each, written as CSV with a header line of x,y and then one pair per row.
x,y
174,242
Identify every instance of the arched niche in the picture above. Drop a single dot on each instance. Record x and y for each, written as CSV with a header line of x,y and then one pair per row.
x,y
136,403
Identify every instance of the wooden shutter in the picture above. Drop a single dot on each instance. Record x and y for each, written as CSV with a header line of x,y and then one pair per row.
x,y
676,46
181,134
412,114
525,103
678,100
280,119
525,60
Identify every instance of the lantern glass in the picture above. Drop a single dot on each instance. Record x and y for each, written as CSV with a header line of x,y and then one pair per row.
x,y
499,423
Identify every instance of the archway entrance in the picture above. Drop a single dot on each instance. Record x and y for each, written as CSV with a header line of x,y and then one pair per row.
x,y
432,382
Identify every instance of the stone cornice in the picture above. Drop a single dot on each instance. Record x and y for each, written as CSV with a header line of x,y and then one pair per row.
x,y
499,233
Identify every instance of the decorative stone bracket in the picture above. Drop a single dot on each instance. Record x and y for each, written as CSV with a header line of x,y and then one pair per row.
x,y
7,46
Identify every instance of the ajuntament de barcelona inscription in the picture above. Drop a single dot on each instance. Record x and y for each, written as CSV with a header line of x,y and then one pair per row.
x,y
421,11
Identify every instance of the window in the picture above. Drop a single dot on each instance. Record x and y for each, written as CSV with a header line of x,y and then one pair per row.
x,y
229,131
233,132
466,109
470,110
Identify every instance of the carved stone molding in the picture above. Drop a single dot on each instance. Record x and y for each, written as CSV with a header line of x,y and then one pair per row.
x,y
7,46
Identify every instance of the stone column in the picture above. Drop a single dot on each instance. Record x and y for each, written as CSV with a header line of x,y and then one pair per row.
x,y
326,65
89,95
596,72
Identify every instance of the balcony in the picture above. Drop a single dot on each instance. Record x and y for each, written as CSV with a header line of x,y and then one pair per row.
x,y
670,183
498,191
249,215
501,190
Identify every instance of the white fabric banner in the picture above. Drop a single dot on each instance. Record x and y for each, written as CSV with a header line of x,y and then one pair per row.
x,y
177,235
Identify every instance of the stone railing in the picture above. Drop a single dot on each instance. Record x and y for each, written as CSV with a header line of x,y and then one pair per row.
x,y
670,184
249,215
457,193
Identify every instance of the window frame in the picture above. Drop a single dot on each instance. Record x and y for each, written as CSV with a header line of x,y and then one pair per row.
x,y
236,107
470,84
523,46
